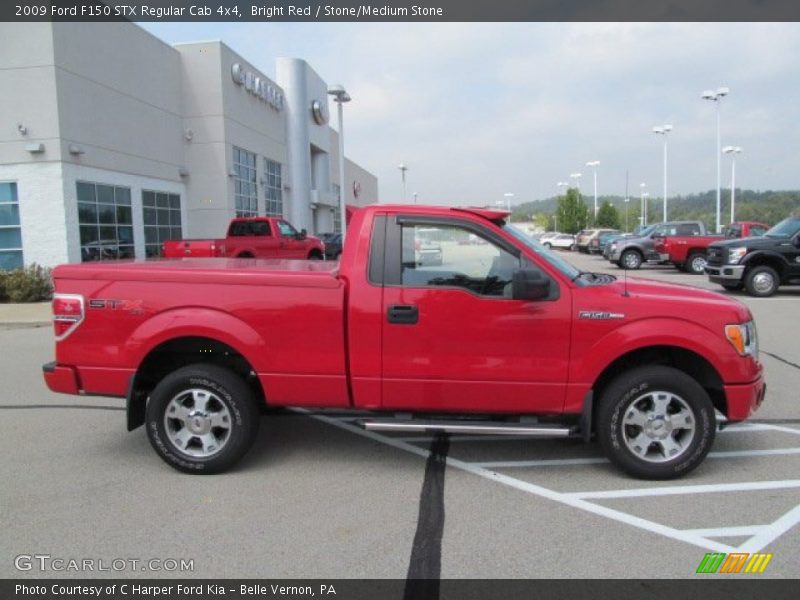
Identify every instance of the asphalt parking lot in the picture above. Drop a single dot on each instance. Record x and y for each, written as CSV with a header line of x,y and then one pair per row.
x,y
319,497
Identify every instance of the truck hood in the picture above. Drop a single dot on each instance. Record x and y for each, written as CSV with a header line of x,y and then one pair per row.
x,y
751,243
647,298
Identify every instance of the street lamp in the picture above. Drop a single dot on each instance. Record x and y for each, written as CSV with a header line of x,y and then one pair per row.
x,y
508,196
415,197
594,164
733,151
577,178
642,211
664,130
645,196
340,96
716,97
403,168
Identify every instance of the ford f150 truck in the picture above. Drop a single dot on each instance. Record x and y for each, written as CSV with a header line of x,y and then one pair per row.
x,y
502,337
760,264
251,237
630,252
688,251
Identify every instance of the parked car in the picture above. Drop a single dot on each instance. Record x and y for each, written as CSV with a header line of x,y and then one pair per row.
x,y
687,249
251,237
333,245
760,265
632,252
564,241
597,242
508,330
428,248
609,241
584,238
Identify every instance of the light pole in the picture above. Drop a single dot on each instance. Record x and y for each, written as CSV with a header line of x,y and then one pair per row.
x,y
642,212
508,196
716,97
645,195
403,168
733,151
340,96
594,164
664,130
577,178
415,197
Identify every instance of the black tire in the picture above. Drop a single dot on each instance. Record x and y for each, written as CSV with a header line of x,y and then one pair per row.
x,y
245,255
761,281
696,263
733,287
314,255
628,396
630,259
547,245
227,395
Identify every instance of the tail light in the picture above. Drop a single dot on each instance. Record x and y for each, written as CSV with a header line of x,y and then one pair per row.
x,y
67,314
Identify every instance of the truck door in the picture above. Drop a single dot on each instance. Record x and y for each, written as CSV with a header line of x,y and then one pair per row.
x,y
453,339
264,243
290,246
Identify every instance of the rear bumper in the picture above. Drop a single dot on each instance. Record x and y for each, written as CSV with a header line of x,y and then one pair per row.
x,y
60,378
725,273
663,257
744,399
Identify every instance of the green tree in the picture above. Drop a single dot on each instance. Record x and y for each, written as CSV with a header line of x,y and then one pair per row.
x,y
542,220
572,212
607,216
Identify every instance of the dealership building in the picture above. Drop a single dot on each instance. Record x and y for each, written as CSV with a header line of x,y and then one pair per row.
x,y
112,141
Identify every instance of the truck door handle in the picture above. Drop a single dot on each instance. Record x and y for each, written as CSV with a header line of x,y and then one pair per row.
x,y
403,314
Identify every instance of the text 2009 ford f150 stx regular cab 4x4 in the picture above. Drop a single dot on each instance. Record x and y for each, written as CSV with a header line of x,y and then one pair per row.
x,y
501,337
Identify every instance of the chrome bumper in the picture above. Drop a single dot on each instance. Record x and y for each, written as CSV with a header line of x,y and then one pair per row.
x,y
725,273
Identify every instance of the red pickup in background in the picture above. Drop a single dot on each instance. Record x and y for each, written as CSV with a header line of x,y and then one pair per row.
x,y
689,252
251,237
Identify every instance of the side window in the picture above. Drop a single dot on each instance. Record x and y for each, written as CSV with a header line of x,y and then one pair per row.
x,y
260,228
239,229
734,231
452,256
286,229
688,229
757,231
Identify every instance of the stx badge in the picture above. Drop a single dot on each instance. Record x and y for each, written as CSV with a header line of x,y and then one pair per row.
x,y
599,314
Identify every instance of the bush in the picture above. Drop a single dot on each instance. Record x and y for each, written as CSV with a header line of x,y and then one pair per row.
x,y
31,284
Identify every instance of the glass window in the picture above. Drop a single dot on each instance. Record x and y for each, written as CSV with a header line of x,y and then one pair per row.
x,y
105,221
273,190
162,220
10,230
286,229
245,194
441,255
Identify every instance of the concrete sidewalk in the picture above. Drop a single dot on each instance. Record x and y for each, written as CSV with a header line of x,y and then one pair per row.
x,y
36,314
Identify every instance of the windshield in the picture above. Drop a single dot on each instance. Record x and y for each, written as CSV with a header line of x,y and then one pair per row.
x,y
548,255
784,229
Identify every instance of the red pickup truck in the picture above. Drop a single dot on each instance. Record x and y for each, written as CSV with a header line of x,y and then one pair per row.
x,y
689,252
251,237
503,337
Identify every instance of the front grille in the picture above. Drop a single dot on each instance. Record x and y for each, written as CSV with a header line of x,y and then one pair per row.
x,y
715,256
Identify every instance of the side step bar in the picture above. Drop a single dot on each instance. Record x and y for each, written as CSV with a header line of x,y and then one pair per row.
x,y
478,427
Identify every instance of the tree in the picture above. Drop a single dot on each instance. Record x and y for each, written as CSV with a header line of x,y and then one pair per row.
x,y
572,212
541,220
607,216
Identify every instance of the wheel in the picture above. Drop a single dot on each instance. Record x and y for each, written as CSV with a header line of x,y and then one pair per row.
x,y
548,245
696,263
245,255
655,422
733,287
630,259
202,419
315,256
572,248
761,281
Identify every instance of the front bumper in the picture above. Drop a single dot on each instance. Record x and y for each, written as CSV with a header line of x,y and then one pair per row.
x,y
663,257
725,273
744,399
60,378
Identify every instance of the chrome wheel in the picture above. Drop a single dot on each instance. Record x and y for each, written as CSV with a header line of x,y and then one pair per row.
x,y
631,260
197,422
698,264
763,282
658,426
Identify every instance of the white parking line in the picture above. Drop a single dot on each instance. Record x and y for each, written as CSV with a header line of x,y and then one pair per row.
x,y
728,531
565,462
678,490
773,531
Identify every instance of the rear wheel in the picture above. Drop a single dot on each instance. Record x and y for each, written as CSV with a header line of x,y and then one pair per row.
x,y
655,422
315,255
630,259
696,263
202,419
761,281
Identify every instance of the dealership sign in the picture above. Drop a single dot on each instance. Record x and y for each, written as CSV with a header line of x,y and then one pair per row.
x,y
258,86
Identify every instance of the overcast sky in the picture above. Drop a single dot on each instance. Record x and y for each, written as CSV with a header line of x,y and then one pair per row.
x,y
476,110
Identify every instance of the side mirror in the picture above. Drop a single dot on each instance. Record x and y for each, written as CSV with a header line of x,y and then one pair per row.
x,y
529,284
302,235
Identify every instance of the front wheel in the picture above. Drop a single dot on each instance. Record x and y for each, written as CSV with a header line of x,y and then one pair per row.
x,y
696,263
202,419
655,422
630,259
762,281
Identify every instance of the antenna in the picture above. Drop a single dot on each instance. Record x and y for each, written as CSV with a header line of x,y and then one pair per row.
x,y
625,282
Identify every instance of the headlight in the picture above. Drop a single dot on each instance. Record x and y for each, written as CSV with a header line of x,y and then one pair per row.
x,y
744,338
613,245
736,254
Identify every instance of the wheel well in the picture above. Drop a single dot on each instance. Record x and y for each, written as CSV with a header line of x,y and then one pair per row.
x,y
245,255
766,261
691,363
180,352
633,249
315,252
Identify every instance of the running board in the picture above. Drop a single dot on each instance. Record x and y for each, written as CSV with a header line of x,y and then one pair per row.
x,y
476,428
